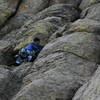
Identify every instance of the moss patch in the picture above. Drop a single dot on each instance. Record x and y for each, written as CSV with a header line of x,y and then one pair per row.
x,y
93,1
42,27
23,43
22,98
78,28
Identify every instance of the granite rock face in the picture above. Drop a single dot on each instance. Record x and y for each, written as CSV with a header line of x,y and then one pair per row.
x,y
91,90
58,76
69,30
7,9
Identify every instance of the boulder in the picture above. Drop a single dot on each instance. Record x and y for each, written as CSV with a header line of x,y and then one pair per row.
x,y
61,32
91,90
82,44
64,11
26,11
86,3
7,9
52,19
58,21
5,75
33,6
57,76
22,70
73,2
42,29
92,12
85,25
14,24
58,72
46,24
6,51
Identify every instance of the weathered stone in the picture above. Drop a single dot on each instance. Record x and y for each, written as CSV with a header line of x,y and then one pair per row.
x,y
6,49
65,64
91,90
42,29
54,13
86,3
61,74
4,80
64,11
7,8
85,25
82,44
14,24
73,2
92,12
58,21
33,6
60,32
22,70
27,10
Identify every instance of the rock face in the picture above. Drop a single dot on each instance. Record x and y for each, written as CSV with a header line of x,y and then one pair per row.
x,y
59,75
92,12
33,6
64,69
6,50
85,25
4,78
65,11
82,44
86,3
57,69
73,2
7,9
26,11
91,90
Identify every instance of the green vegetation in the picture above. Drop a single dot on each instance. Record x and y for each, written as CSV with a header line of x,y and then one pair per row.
x,y
78,28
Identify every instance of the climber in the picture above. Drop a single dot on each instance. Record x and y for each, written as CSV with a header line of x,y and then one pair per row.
x,y
29,52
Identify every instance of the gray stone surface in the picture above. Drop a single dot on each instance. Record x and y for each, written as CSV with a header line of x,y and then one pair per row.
x,y
5,53
68,59
91,90
73,2
65,11
92,12
7,9
59,76
82,44
85,25
86,3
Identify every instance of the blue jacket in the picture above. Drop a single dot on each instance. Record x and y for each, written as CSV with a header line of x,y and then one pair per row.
x,y
33,46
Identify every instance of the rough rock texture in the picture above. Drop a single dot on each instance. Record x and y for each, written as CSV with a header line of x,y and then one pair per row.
x,y
86,3
9,83
85,25
22,70
91,90
26,11
6,50
56,69
70,33
82,44
60,81
7,9
92,12
4,78
73,2
33,6
42,29
65,11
